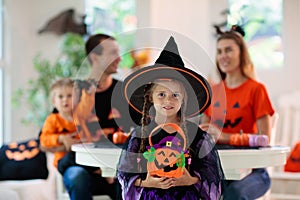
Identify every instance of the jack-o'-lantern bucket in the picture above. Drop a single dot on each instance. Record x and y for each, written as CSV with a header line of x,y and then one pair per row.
x,y
167,158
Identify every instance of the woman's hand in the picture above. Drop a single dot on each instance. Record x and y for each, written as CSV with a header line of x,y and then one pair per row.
x,y
185,179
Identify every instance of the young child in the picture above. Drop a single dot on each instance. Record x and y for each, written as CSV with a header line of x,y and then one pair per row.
x,y
59,130
169,157
58,134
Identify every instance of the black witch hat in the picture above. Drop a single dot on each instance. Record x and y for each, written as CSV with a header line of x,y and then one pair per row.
x,y
169,65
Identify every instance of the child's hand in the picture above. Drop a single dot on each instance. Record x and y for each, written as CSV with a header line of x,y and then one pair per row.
x,y
185,179
68,140
61,148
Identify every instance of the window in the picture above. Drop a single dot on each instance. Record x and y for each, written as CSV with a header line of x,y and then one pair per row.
x,y
262,22
114,18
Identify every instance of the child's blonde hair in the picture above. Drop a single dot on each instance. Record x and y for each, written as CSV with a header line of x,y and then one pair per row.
x,y
61,83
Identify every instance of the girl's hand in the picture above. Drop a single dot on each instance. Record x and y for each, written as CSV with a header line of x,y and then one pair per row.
x,y
156,182
185,179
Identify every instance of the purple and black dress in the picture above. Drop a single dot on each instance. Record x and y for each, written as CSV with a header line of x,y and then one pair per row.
x,y
204,163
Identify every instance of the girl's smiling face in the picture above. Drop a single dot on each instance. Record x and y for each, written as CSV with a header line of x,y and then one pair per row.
x,y
167,97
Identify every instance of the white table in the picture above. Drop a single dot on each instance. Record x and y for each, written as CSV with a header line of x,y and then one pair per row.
x,y
236,163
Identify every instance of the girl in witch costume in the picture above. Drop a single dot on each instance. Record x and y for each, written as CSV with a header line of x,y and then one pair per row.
x,y
168,157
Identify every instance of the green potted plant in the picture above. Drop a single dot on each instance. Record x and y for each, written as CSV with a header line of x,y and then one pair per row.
x,y
35,93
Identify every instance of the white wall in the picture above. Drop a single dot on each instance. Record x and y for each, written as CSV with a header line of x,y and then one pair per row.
x,y
22,20
191,18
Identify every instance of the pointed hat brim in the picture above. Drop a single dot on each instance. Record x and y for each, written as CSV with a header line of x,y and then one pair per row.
x,y
169,65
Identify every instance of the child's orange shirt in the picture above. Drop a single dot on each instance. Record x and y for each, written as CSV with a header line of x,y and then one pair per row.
x,y
54,126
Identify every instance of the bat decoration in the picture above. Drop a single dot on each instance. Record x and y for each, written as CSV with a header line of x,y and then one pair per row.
x,y
64,23
236,28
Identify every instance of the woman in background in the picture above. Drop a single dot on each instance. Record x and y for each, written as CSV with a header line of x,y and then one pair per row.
x,y
240,104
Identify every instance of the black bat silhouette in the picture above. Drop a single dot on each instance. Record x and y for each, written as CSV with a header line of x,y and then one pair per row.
x,y
65,22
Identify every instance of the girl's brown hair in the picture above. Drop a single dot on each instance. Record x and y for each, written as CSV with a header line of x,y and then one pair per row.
x,y
147,116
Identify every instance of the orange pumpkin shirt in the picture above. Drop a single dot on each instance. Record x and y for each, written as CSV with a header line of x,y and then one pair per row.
x,y
55,125
237,109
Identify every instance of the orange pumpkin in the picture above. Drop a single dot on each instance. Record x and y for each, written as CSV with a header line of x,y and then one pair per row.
x,y
119,137
166,159
238,139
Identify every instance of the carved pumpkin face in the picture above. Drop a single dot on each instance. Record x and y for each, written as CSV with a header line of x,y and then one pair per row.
x,y
167,158
23,151
167,163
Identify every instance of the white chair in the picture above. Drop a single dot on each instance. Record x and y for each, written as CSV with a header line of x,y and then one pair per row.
x,y
286,185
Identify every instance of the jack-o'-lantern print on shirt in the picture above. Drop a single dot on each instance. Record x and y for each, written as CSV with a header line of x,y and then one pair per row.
x,y
229,122
106,112
237,109
100,117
